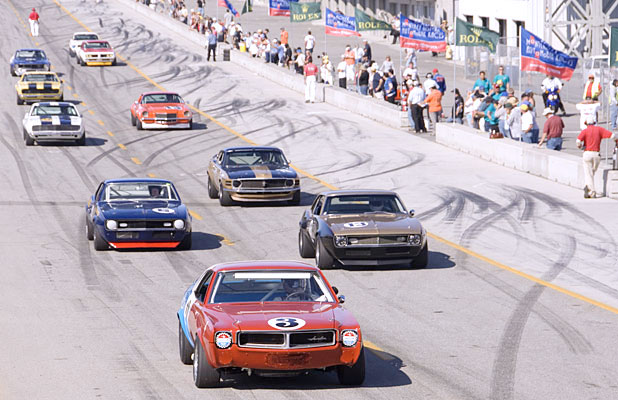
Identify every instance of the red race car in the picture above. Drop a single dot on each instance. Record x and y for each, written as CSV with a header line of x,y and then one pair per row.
x,y
270,319
162,110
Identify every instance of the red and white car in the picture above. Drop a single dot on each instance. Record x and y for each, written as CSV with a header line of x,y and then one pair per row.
x,y
268,318
161,110
95,52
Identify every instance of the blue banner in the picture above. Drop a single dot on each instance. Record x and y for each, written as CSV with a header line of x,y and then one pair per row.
x,y
340,25
417,35
279,8
539,56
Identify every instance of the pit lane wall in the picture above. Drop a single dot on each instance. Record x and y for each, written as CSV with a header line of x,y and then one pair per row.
x,y
553,165
375,109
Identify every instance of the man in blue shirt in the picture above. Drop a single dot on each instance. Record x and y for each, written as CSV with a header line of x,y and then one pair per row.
x,y
439,78
212,45
482,83
390,89
503,80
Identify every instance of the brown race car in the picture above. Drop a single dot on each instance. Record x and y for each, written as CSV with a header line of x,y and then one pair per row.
x,y
267,318
363,228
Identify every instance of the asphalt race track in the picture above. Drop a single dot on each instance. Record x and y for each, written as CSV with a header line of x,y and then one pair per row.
x,y
80,324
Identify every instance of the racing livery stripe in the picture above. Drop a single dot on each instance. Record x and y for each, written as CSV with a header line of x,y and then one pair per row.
x,y
55,120
261,172
32,86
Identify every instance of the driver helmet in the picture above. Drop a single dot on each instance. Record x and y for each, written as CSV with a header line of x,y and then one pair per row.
x,y
377,204
294,285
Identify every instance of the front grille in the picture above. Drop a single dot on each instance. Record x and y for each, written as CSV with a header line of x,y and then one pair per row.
x,y
35,91
145,224
287,340
262,183
31,66
378,240
55,128
165,116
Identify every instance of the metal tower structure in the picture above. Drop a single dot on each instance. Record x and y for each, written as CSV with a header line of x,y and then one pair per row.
x,y
581,26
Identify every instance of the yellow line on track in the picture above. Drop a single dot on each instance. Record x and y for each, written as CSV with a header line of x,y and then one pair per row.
x,y
152,175
225,240
75,95
122,146
100,122
136,160
110,133
195,215
332,187
377,350
91,112
69,87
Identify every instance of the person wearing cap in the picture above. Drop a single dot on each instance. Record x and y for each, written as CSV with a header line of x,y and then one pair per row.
x,y
377,81
311,74
505,81
590,140
300,61
528,124
33,18
482,83
211,45
439,78
513,121
429,83
415,102
552,130
592,89
341,72
552,83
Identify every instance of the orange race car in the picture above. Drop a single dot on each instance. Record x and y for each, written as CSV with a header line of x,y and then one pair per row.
x,y
270,319
161,110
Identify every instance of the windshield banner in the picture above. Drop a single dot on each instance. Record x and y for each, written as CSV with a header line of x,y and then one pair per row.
x,y
416,35
539,56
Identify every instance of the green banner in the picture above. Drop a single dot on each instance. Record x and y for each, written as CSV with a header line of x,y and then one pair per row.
x,y
366,22
473,35
613,48
302,12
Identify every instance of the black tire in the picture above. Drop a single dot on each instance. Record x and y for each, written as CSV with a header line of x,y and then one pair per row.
x,y
71,53
212,191
354,375
421,261
28,140
82,62
77,60
296,199
305,248
224,198
13,72
20,101
190,125
186,242
133,120
184,347
89,229
82,140
99,243
322,259
204,375
114,63
138,125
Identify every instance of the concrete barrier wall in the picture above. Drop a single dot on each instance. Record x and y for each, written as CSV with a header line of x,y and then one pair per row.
x,y
553,165
375,109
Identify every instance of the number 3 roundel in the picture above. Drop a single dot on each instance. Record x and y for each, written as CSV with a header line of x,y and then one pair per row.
x,y
286,323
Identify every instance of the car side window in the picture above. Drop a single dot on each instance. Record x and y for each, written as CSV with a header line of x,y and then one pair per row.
x,y
317,208
203,286
99,191
219,157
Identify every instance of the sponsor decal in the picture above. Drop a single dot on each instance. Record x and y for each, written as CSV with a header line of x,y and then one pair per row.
x,y
286,323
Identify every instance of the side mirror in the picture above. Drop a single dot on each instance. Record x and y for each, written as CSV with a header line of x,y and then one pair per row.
x,y
341,299
411,213
335,289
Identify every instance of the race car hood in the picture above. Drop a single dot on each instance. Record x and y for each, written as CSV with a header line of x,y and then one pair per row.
x,y
99,50
143,209
164,107
260,172
373,224
250,317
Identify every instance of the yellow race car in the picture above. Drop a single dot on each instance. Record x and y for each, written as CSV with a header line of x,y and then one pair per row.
x,y
35,86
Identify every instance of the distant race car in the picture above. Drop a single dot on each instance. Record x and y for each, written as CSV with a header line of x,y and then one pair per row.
x,y
25,60
95,52
363,228
271,319
35,86
137,213
161,110
53,121
79,38
249,174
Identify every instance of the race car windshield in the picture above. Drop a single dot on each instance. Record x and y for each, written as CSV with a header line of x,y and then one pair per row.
x,y
270,286
254,157
49,110
132,191
97,45
40,78
88,36
161,98
36,54
361,204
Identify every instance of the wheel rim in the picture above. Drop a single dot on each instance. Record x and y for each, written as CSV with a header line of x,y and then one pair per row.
x,y
220,191
317,254
195,362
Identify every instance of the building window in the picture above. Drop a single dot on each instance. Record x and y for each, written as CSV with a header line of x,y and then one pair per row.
x,y
372,5
362,3
485,22
382,5
392,8
519,25
502,27
469,18
404,9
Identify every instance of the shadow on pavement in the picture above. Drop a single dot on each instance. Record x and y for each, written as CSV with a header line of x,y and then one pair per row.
x,y
437,260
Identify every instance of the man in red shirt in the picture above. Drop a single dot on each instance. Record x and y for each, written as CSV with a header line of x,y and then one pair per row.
x,y
311,72
34,23
552,130
590,139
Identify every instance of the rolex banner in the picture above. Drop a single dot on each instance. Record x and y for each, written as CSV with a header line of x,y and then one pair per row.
x,y
474,35
613,47
302,12
366,22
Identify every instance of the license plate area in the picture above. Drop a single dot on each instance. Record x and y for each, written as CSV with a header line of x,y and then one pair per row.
x,y
126,235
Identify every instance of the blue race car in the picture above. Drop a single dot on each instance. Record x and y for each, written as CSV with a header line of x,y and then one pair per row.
x,y
26,60
137,213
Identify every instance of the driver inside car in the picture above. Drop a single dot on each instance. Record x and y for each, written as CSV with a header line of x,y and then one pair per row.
x,y
294,290
155,191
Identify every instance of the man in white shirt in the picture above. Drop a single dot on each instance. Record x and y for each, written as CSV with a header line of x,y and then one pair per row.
x,y
411,72
415,102
309,42
227,18
548,84
587,108
341,72
429,83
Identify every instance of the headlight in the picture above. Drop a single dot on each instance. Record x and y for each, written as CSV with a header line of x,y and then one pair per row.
x,y
179,224
415,240
236,184
289,182
223,340
111,224
341,241
144,114
349,338
187,113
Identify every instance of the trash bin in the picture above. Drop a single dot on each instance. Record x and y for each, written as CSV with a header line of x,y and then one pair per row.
x,y
226,54
243,47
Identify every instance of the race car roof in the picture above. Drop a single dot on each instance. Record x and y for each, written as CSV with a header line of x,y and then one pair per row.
x,y
96,41
54,103
149,93
228,149
129,180
357,192
252,265
28,50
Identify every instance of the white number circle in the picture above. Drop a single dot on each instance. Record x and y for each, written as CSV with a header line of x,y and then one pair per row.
x,y
356,224
286,323
163,210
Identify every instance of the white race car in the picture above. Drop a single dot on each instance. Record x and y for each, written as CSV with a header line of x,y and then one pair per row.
x,y
95,52
53,121
78,38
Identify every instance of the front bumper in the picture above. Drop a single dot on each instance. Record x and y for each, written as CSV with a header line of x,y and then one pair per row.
x,y
257,195
371,255
51,136
128,239
151,123
284,359
40,96
98,63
